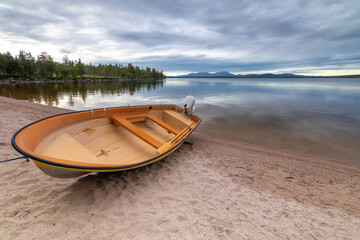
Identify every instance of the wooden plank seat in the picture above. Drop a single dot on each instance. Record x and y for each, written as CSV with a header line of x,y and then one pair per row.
x,y
125,121
162,124
177,120
122,120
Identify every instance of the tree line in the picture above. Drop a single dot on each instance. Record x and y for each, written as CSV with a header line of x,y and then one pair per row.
x,y
25,66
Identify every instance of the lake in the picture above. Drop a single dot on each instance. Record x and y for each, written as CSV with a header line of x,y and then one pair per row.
x,y
318,116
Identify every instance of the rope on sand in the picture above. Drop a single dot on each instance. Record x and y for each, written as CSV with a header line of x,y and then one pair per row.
x,y
12,159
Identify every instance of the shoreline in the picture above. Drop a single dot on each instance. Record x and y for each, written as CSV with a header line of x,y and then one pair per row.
x,y
275,147
227,138
26,81
231,138
213,188
234,140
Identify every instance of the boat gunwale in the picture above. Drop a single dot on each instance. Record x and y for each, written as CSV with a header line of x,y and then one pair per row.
x,y
99,168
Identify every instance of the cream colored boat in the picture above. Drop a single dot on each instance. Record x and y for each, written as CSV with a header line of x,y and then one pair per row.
x,y
104,140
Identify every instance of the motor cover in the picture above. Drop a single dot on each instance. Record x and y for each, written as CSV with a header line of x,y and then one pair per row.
x,y
189,104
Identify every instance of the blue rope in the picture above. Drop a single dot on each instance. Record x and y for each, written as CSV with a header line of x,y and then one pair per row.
x,y
8,160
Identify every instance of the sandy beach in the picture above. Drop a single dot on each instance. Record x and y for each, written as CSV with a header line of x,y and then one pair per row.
x,y
211,188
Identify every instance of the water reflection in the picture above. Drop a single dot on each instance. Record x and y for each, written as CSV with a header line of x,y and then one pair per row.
x,y
55,93
316,116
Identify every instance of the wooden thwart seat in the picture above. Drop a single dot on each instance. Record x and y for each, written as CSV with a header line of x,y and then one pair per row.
x,y
163,124
124,121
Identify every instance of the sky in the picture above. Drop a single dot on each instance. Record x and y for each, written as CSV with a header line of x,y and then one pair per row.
x,y
316,37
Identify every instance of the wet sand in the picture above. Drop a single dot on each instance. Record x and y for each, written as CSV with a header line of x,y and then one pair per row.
x,y
211,189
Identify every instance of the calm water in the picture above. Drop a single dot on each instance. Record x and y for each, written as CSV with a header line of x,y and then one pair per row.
x,y
315,116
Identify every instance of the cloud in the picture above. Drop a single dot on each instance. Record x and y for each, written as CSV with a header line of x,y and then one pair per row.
x,y
65,51
189,35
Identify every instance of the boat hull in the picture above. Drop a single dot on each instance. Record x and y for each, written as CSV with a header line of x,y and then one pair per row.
x,y
66,145
71,172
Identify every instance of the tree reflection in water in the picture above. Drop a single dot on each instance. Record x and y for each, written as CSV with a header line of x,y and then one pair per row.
x,y
50,93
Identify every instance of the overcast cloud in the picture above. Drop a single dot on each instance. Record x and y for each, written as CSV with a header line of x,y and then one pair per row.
x,y
306,37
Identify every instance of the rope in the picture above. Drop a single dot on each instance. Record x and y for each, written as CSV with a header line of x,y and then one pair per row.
x,y
8,160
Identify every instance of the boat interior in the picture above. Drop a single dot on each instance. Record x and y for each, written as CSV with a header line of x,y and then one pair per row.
x,y
121,138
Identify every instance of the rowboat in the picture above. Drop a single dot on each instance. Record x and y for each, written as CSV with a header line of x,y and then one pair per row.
x,y
104,140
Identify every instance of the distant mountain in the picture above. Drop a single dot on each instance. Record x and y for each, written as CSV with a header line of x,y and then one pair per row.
x,y
230,75
207,75
223,74
195,75
270,75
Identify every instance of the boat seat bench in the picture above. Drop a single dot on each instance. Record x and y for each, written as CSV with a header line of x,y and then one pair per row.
x,y
175,118
125,121
122,120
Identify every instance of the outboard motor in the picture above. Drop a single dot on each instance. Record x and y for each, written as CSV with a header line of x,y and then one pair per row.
x,y
189,105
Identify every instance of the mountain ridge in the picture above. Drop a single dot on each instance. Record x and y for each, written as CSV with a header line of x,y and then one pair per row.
x,y
224,74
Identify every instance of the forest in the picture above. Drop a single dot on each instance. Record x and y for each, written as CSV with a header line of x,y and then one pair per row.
x,y
25,66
